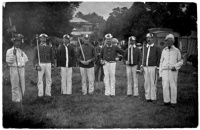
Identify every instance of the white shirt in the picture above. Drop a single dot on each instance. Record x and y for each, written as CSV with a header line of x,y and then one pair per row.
x,y
132,46
170,58
11,58
148,46
67,58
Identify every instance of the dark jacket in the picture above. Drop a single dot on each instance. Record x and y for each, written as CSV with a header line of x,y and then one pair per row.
x,y
46,55
61,56
89,53
137,57
110,53
154,56
98,52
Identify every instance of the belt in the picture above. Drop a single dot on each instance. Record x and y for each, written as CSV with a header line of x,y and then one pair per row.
x,y
110,61
18,66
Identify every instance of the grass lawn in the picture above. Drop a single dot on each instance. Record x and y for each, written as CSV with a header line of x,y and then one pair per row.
x,y
98,110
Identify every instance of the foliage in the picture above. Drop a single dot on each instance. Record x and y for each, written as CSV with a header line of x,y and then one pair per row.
x,y
123,22
31,18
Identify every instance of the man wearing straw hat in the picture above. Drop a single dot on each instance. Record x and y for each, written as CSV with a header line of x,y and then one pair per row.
x,y
86,57
65,57
170,62
132,59
43,61
16,60
151,57
108,59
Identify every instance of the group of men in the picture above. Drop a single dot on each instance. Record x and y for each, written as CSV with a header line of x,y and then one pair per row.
x,y
148,61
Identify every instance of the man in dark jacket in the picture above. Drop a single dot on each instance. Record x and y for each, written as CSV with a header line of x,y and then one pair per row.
x,y
65,56
98,65
86,57
132,59
108,59
151,63
43,63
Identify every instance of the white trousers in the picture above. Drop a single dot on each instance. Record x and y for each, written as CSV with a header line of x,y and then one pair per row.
x,y
109,78
15,82
66,80
169,82
87,72
132,80
150,83
45,69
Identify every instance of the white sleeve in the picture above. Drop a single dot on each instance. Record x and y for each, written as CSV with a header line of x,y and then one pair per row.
x,y
179,61
10,58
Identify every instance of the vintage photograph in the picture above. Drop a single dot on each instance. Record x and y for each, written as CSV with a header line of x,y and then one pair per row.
x,y
84,64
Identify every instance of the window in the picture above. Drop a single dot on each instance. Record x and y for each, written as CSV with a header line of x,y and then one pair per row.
x,y
84,29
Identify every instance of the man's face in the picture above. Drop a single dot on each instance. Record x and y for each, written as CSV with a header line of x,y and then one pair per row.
x,y
132,42
108,42
17,43
170,42
66,41
149,40
43,39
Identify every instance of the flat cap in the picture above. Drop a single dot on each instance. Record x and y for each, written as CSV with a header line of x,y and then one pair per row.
x,y
43,35
132,38
169,36
107,36
149,35
115,40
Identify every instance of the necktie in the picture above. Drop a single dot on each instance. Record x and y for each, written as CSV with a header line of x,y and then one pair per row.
x,y
147,61
131,54
67,58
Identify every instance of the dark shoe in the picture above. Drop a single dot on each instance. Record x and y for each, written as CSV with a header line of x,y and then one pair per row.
x,y
112,95
148,100
173,104
128,95
166,103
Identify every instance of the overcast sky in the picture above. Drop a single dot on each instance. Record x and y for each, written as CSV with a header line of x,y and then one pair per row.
x,y
101,8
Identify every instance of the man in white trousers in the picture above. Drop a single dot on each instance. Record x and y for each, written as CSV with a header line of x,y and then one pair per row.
x,y
132,59
170,62
108,59
16,60
86,58
65,57
151,61
43,62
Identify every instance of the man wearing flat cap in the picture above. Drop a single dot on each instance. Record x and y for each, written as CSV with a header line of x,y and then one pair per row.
x,y
132,59
65,57
108,59
150,65
16,59
43,63
86,57
170,62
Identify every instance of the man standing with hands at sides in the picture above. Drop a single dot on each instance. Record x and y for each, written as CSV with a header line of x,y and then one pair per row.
x,y
65,56
43,61
132,59
150,65
86,57
170,62
16,59
108,59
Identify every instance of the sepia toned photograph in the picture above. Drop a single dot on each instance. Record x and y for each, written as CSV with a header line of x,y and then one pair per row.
x,y
84,64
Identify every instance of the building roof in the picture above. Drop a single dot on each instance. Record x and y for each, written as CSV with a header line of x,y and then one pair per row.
x,y
79,20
